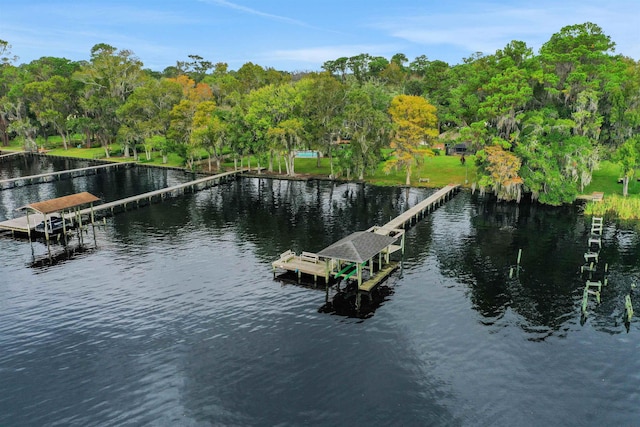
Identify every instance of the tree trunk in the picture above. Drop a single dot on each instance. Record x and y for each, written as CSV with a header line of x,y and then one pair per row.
x,y
271,161
3,130
209,161
408,181
331,162
625,186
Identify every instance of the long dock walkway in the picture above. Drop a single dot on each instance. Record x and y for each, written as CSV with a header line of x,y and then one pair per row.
x,y
9,155
421,209
56,176
158,195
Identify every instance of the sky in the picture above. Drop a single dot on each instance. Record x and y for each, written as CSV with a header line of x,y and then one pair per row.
x,y
301,35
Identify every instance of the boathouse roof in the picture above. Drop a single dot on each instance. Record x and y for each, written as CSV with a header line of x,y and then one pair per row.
x,y
357,247
61,203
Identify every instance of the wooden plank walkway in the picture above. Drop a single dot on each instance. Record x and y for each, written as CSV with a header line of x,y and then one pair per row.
x,y
157,195
419,210
55,176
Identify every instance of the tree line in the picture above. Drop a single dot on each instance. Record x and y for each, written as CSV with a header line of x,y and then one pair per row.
x,y
539,123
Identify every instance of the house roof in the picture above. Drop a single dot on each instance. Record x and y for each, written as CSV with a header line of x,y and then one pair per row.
x,y
357,247
61,203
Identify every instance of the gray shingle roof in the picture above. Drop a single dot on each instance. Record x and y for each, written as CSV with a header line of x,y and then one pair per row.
x,y
357,247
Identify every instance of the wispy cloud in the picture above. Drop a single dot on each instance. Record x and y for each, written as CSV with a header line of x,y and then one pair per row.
x,y
488,27
256,12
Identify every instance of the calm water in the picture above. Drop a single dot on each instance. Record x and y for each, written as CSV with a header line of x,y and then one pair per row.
x,y
172,316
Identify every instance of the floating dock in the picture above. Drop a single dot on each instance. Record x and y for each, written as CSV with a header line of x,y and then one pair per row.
x,y
56,176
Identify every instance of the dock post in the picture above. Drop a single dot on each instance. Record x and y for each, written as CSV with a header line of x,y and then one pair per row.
x,y
28,225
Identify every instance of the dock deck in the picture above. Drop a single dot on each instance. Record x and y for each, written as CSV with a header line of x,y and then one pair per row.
x,y
306,263
370,284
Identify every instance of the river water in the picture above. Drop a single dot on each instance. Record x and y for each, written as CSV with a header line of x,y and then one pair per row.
x,y
171,316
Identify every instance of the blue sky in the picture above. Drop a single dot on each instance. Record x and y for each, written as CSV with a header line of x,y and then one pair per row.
x,y
301,35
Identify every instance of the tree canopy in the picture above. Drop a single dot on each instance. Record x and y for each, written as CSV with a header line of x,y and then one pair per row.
x,y
539,122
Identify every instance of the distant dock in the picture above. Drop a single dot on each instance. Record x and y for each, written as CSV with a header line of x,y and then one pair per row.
x,y
26,224
56,176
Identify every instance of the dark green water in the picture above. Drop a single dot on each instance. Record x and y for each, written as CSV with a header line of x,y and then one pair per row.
x,y
173,317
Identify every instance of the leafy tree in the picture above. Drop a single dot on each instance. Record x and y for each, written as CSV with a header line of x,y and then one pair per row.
x,y
209,131
6,57
53,101
414,127
367,123
273,116
181,127
323,102
108,79
147,111
628,156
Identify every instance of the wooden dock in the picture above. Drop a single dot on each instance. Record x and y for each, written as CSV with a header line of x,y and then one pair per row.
x,y
22,225
56,176
307,263
7,156
159,195
347,258
417,212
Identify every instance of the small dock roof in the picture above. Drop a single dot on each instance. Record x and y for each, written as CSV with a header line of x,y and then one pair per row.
x,y
357,247
61,203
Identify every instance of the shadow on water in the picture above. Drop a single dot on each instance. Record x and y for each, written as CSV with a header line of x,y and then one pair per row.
x,y
57,255
343,299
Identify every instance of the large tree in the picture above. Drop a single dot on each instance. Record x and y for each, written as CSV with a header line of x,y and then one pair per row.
x,y
415,126
108,79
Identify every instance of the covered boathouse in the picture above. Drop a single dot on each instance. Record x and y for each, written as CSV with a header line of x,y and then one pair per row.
x,y
362,257
67,207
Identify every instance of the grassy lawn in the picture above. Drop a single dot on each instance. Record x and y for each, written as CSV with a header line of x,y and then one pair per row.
x,y
439,170
605,179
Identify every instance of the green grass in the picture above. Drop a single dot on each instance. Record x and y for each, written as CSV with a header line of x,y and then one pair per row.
x,y
605,179
439,170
